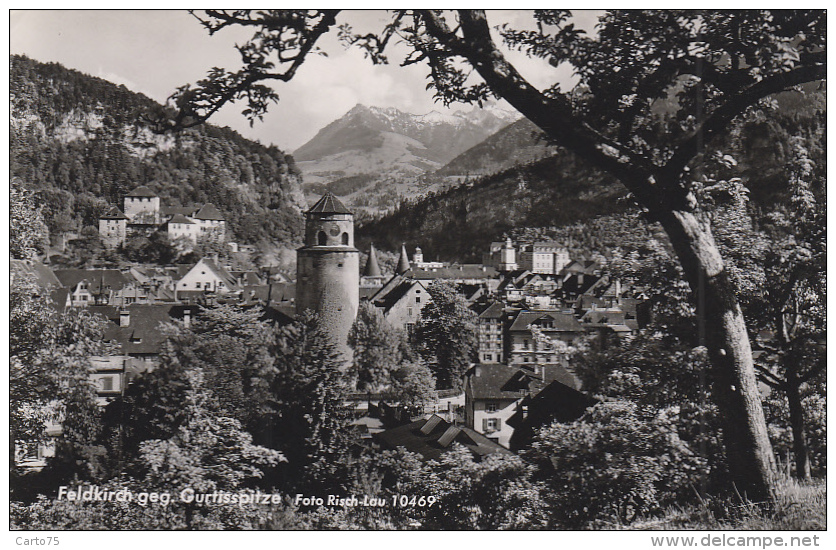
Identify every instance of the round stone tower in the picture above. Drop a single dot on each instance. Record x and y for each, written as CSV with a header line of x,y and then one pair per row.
x,y
328,267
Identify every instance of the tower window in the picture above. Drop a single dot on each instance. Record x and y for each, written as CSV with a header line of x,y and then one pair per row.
x,y
345,239
321,238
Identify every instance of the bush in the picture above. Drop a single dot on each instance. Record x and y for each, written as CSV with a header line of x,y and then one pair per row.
x,y
617,463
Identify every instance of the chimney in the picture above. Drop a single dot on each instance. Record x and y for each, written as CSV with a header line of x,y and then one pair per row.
x,y
124,318
187,317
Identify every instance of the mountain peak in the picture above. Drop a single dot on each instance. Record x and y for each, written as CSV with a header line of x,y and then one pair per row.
x,y
427,140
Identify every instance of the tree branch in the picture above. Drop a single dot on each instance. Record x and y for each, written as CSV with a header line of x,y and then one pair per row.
x,y
552,115
719,119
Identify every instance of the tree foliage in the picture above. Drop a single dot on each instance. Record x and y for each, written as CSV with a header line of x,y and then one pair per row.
x,y
303,413
447,335
78,180
49,377
619,462
378,348
28,236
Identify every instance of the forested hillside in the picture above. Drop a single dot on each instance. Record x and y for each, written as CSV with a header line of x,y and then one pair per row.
x,y
81,143
529,198
517,143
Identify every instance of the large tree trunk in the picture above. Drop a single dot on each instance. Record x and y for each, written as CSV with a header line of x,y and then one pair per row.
x,y
723,332
799,442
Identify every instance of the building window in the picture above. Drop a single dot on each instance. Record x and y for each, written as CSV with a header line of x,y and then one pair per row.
x,y
409,311
321,238
345,239
417,299
491,407
490,424
107,383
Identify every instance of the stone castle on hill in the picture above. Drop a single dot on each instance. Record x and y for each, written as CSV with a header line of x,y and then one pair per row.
x,y
143,215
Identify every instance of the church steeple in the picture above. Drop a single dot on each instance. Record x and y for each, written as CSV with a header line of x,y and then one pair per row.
x,y
372,267
403,262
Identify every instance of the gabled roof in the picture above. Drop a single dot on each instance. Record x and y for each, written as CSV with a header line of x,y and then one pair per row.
x,y
493,311
387,287
221,273
394,294
114,214
506,382
434,436
178,271
112,278
209,212
329,204
180,218
141,191
563,322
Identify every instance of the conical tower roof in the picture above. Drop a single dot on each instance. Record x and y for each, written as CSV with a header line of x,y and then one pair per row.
x,y
329,204
372,268
403,261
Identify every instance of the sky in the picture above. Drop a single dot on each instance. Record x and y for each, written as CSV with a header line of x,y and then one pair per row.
x,y
155,51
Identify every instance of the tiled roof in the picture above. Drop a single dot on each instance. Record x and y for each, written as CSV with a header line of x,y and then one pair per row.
x,y
166,211
144,333
278,292
563,322
506,382
459,271
180,218
249,278
493,311
222,273
209,212
387,287
610,316
367,292
114,214
179,271
329,204
141,191
393,296
437,439
112,278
